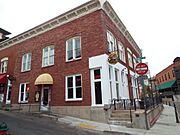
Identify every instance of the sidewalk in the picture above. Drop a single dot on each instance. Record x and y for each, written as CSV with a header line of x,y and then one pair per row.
x,y
165,125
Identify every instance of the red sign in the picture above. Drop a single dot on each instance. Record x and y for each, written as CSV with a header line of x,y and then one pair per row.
x,y
141,68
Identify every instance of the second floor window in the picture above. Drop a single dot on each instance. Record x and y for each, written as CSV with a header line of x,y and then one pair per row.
x,y
4,64
130,59
26,62
111,41
121,52
48,56
73,49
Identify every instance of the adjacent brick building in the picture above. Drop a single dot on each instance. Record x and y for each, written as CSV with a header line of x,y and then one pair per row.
x,y
167,80
62,65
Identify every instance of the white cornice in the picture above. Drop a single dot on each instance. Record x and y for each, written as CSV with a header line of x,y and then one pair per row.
x,y
71,15
114,17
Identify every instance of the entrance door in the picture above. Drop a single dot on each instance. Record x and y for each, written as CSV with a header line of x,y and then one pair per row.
x,y
45,98
97,99
98,94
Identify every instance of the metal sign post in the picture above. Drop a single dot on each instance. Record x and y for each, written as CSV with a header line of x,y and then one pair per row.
x,y
141,69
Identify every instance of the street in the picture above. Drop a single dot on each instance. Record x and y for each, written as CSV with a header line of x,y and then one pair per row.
x,y
21,124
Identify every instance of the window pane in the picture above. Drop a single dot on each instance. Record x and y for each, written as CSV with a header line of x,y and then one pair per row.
x,y
29,62
110,72
9,93
28,65
70,92
116,75
79,92
24,66
24,62
45,54
70,82
22,88
22,96
24,58
77,43
51,60
78,53
97,74
70,45
45,61
70,54
78,80
51,51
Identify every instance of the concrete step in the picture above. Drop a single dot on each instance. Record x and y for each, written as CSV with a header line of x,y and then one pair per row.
x,y
119,119
121,115
121,123
122,111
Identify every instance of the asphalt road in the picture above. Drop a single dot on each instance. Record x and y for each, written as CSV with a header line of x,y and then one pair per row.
x,y
23,124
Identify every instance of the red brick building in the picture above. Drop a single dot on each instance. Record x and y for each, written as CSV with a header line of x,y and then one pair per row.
x,y
62,65
167,79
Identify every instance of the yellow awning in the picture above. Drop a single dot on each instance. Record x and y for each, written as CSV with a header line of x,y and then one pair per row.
x,y
44,79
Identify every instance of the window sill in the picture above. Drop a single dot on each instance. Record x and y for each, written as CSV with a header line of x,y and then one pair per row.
x,y
26,71
73,100
47,66
23,102
3,73
67,61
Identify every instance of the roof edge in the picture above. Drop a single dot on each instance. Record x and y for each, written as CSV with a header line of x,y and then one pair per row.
x,y
82,10
64,18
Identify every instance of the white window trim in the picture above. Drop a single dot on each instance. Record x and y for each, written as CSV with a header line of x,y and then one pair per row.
x,y
93,102
73,39
117,81
48,56
27,55
121,56
7,93
114,47
3,60
74,88
19,99
130,59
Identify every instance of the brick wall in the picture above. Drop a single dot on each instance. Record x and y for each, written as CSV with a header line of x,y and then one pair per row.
x,y
90,29
161,74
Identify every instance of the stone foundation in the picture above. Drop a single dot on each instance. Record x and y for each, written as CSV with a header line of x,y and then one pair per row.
x,y
83,112
25,107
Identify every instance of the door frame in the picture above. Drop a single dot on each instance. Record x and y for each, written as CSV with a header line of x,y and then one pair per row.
x,y
42,106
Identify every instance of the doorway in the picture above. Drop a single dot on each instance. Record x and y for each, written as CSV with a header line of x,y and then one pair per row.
x,y
45,98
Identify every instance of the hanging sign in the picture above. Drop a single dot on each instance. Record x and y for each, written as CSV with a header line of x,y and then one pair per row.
x,y
113,58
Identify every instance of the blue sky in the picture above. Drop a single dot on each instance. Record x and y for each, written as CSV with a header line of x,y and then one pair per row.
x,y
154,24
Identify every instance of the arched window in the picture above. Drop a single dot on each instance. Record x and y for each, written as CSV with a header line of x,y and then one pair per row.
x,y
121,52
48,56
26,62
111,42
4,64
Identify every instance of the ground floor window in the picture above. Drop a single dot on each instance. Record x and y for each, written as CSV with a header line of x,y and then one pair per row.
x,y
97,86
9,88
74,87
23,92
